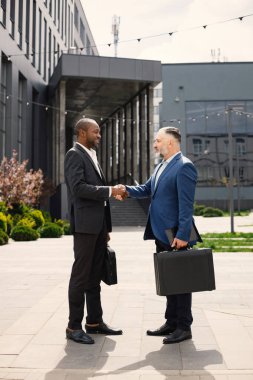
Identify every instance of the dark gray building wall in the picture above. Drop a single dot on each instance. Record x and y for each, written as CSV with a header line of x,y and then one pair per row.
x,y
211,82
33,39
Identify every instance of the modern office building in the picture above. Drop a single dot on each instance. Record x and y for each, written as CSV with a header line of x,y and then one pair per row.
x,y
196,98
51,75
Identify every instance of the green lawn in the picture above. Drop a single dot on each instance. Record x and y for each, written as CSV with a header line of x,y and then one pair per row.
x,y
228,242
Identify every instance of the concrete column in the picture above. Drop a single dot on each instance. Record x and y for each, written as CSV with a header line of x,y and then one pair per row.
x,y
108,151
120,146
128,142
61,132
114,149
142,138
102,151
134,138
150,131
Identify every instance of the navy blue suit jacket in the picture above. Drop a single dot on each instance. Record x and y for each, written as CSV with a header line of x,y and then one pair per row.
x,y
172,199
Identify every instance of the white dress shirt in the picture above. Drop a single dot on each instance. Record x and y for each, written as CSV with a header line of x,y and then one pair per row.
x,y
93,155
163,166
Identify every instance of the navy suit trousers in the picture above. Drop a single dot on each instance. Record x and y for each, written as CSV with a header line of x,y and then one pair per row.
x,y
178,312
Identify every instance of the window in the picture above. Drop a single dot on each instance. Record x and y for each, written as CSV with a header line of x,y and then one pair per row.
x,y
68,26
50,7
82,32
27,27
45,50
158,93
54,54
197,146
62,20
40,31
156,110
65,22
20,23
34,34
207,147
59,14
3,12
240,147
12,18
3,94
71,29
88,49
21,116
49,52
76,17
55,4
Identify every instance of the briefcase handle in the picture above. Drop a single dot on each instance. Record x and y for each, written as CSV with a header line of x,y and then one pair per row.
x,y
186,248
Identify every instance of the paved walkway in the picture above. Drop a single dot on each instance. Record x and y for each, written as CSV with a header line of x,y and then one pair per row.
x,y
33,316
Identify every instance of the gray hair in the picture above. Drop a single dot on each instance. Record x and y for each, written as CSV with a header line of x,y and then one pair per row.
x,y
175,132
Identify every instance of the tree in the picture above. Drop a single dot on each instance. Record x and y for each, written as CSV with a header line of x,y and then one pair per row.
x,y
18,184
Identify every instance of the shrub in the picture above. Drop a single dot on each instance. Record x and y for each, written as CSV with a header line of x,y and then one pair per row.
x,y
46,216
19,209
65,226
67,229
26,221
3,238
198,209
24,233
3,222
38,218
17,184
211,211
51,230
9,224
16,218
60,222
3,207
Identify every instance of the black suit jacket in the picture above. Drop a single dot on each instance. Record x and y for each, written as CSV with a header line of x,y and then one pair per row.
x,y
87,193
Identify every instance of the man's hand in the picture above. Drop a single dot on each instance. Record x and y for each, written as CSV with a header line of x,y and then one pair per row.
x,y
178,244
119,192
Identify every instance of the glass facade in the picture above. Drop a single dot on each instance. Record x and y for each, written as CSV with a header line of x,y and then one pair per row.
x,y
208,143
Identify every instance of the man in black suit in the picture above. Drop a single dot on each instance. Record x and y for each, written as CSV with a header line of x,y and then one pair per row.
x,y
90,221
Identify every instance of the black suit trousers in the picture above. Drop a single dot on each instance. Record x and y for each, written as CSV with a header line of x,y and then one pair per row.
x,y
178,312
84,284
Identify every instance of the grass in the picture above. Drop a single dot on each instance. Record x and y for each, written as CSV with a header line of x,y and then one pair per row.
x,y
228,242
236,213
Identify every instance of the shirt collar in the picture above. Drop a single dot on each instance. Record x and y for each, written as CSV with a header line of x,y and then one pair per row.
x,y
171,158
92,153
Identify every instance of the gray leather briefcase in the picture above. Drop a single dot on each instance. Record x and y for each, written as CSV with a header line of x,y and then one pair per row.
x,y
184,271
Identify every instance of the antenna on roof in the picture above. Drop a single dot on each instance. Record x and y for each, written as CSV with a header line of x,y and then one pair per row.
x,y
115,32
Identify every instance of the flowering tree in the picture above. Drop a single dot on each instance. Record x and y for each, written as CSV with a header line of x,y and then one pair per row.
x,y
17,184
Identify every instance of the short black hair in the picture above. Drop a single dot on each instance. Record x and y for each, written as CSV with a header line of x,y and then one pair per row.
x,y
174,132
83,124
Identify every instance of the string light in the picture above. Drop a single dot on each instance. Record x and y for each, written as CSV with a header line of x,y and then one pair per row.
x,y
105,118
139,39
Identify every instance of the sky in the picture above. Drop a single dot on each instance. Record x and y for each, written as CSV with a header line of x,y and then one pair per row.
x,y
231,41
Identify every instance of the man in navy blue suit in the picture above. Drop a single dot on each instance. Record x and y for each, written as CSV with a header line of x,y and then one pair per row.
x,y
171,189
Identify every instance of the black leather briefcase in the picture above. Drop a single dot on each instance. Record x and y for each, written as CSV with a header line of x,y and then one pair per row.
x,y
184,271
110,267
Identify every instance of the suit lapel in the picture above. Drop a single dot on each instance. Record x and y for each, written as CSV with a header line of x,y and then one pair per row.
x,y
81,150
168,167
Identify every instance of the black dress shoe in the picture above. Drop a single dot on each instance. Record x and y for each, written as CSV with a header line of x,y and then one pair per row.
x,y
79,336
161,331
102,328
177,336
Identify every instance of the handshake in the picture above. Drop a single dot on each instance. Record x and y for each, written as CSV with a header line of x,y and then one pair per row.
x,y
119,192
